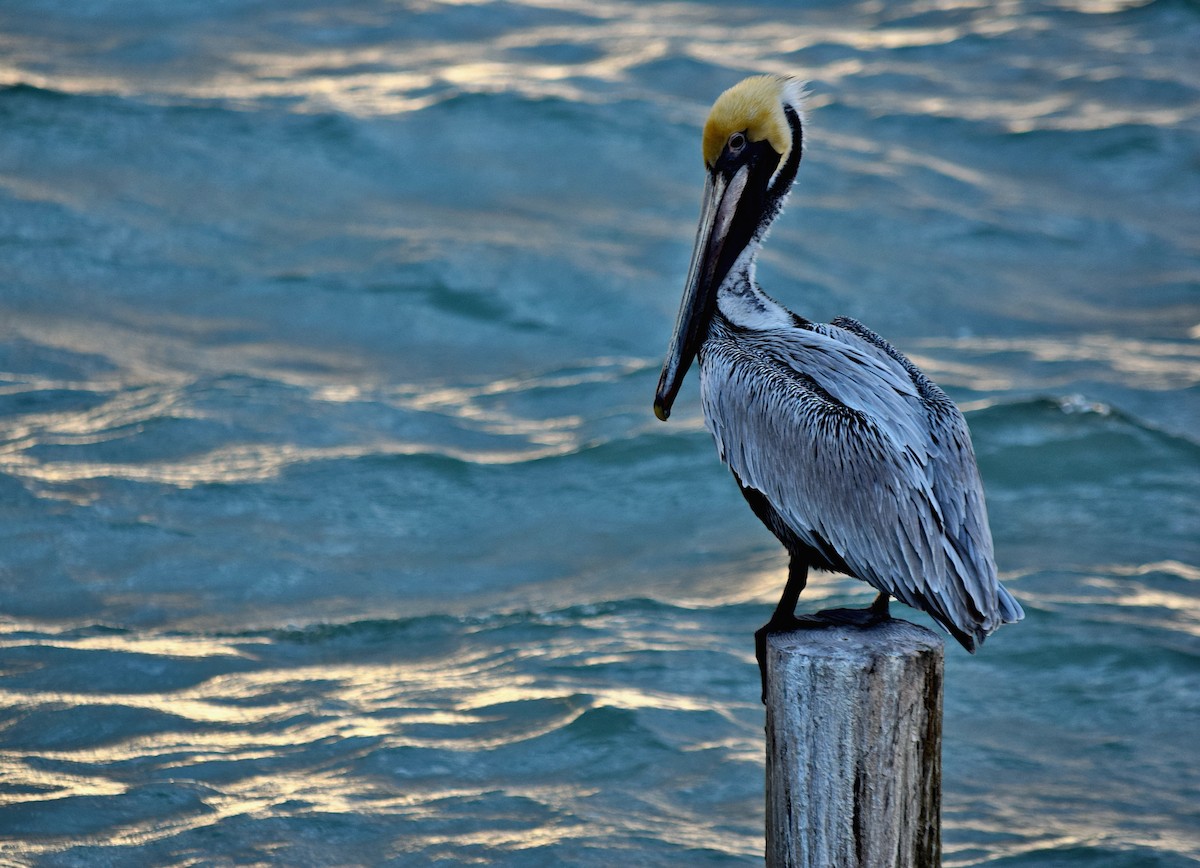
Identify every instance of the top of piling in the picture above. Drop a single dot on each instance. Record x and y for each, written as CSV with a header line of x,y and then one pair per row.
x,y
890,638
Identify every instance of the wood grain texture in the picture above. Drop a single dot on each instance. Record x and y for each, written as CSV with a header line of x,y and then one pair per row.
x,y
854,730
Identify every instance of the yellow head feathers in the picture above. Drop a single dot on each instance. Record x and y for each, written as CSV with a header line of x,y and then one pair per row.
x,y
753,106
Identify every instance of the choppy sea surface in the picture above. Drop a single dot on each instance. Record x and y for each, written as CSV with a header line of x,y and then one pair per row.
x,y
335,527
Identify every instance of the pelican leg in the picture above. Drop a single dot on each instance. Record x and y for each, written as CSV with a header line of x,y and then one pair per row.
x,y
880,606
784,618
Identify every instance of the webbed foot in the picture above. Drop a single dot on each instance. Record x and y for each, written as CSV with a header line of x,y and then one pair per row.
x,y
874,614
780,624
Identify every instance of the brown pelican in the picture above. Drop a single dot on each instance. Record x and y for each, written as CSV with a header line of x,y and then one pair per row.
x,y
850,455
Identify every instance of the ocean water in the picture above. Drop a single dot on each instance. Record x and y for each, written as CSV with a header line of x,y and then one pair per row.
x,y
335,526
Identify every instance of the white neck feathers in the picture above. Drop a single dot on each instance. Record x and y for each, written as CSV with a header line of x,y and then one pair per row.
x,y
745,305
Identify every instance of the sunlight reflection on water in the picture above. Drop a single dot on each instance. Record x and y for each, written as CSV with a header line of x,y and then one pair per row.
x,y
368,325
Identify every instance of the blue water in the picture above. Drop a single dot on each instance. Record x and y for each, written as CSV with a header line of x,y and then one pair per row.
x,y
335,527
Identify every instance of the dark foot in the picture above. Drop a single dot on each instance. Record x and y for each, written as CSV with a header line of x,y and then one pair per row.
x,y
874,614
780,624
851,617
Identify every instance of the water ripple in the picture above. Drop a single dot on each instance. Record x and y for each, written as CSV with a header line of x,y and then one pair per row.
x,y
505,418
293,735
369,330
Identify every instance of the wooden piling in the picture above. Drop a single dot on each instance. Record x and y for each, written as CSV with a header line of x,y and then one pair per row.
x,y
854,747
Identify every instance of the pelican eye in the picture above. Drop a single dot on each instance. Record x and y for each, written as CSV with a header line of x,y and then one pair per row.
x,y
736,142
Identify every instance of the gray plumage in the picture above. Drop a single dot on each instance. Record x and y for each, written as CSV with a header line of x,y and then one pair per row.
x,y
852,457
864,458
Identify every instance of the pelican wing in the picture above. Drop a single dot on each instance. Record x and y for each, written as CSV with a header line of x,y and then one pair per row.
x,y
956,484
833,429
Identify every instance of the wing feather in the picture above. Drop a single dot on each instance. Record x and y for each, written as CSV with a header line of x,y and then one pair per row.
x,y
858,454
955,481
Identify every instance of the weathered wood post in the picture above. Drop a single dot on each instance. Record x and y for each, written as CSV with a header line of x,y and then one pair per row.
x,y
854,747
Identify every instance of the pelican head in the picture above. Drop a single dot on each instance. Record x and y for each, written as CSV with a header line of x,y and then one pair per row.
x,y
753,141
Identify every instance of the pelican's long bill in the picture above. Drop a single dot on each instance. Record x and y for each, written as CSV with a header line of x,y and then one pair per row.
x,y
704,277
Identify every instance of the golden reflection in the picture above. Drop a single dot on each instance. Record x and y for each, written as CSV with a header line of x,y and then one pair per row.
x,y
761,583
256,463
1119,599
125,410
1171,568
599,370
310,724
1153,365
52,784
1122,595
396,75
140,643
242,716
